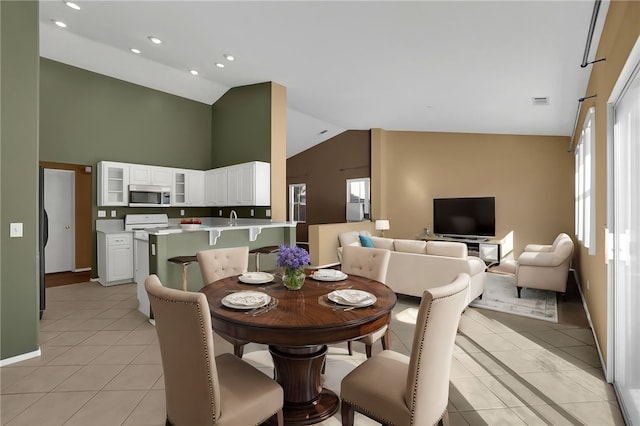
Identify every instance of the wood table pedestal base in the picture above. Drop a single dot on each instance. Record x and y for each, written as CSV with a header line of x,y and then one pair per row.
x,y
305,401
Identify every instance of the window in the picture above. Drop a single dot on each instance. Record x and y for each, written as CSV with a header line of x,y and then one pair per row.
x,y
298,202
585,184
358,203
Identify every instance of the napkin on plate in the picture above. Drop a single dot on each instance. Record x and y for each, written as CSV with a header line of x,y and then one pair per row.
x,y
328,273
245,299
352,296
254,275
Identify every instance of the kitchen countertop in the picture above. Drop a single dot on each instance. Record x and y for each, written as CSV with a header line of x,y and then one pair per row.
x,y
220,224
215,226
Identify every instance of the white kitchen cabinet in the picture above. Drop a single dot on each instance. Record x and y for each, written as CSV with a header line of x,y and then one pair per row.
x,y
188,188
115,258
249,184
179,188
195,188
215,187
141,174
113,183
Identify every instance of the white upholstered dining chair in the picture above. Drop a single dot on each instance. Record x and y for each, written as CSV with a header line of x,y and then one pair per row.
x,y
371,263
394,389
201,389
216,264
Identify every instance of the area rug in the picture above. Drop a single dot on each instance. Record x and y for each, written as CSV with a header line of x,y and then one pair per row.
x,y
500,295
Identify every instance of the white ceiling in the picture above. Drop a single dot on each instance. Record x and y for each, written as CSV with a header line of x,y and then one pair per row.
x,y
445,66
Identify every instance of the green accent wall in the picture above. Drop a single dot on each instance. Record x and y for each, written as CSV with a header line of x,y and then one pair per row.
x,y
88,117
19,304
241,126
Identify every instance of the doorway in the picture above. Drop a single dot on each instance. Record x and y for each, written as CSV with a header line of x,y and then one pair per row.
x,y
624,224
59,203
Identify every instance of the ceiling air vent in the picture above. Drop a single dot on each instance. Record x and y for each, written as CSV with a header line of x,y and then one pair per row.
x,y
544,100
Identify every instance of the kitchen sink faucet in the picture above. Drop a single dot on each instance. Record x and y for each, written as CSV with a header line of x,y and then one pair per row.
x,y
233,217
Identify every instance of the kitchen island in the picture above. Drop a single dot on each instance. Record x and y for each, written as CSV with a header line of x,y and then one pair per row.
x,y
167,243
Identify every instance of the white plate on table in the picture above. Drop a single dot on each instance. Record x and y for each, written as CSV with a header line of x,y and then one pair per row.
x,y
256,277
246,300
329,275
349,297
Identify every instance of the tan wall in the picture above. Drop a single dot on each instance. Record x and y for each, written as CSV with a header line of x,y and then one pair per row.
x,y
621,30
323,240
530,176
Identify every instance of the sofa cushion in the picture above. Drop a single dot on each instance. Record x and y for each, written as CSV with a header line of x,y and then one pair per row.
x,y
410,246
447,248
366,241
383,243
349,238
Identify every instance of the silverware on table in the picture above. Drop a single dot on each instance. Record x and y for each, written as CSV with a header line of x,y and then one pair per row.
x,y
271,305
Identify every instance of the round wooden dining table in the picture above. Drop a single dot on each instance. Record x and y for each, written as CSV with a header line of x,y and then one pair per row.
x,y
298,331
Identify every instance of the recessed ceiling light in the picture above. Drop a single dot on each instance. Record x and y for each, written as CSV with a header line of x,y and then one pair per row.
x,y
155,40
60,24
219,65
72,5
540,100
134,50
229,57
193,72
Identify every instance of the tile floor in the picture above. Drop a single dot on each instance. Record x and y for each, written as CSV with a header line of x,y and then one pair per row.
x,y
100,365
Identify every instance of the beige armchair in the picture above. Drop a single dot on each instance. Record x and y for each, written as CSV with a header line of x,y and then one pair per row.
x,y
216,264
371,263
545,267
394,389
201,389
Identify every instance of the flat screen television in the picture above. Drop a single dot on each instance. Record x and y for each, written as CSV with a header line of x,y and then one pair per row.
x,y
465,217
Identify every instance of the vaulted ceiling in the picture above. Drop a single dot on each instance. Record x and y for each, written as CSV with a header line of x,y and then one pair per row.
x,y
446,66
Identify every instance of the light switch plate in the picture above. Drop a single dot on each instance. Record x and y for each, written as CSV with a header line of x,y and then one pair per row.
x,y
181,212
15,230
113,213
102,213
251,212
268,212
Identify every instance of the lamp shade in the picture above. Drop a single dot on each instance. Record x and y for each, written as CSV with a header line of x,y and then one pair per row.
x,y
382,224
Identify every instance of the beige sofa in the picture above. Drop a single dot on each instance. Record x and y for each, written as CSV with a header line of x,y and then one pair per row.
x,y
416,265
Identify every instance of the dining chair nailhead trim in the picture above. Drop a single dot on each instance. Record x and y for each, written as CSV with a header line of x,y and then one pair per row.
x,y
419,360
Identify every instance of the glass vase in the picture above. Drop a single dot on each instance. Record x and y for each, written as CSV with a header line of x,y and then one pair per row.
x,y
293,279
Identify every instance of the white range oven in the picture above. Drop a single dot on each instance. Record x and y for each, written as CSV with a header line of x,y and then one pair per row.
x,y
140,224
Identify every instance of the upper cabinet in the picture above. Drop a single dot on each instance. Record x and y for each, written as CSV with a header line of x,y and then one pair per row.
x,y
188,188
215,187
113,183
249,184
195,188
246,184
150,175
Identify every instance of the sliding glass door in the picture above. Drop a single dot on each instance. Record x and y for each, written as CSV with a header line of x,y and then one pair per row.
x,y
626,245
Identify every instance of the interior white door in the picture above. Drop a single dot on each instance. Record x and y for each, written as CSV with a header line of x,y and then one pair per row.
x,y
59,196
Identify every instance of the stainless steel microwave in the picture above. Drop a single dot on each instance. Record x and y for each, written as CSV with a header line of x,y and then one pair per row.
x,y
149,196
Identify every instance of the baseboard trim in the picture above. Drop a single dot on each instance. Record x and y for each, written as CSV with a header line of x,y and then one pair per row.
x,y
19,358
82,270
586,310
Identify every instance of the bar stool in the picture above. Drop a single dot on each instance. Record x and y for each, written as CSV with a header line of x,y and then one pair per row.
x,y
184,261
263,250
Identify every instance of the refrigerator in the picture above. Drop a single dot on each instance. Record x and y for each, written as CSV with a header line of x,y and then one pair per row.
x,y
43,236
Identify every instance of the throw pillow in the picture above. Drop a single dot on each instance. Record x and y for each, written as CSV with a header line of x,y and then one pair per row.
x,y
366,241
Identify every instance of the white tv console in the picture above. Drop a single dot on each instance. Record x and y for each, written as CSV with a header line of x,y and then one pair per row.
x,y
490,250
